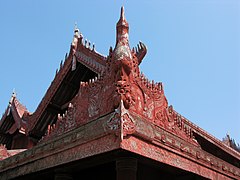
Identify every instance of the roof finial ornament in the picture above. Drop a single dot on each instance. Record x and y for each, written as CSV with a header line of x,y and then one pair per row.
x,y
122,48
76,35
122,13
122,20
76,30
14,94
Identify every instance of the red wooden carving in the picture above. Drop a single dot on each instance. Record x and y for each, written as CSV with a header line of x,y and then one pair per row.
x,y
119,81
125,103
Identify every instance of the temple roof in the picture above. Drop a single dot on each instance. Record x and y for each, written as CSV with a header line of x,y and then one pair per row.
x,y
94,97
12,120
231,143
16,110
81,64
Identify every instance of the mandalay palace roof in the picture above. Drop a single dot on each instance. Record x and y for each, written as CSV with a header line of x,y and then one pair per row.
x,y
97,104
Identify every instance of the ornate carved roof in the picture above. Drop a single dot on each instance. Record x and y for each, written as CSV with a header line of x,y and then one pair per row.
x,y
122,89
231,143
12,121
93,95
81,64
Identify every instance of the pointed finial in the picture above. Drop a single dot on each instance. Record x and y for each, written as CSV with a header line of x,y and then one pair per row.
x,y
76,30
228,136
122,20
122,29
12,98
122,16
76,35
14,94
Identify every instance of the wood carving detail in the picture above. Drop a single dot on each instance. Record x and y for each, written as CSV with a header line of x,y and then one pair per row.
x,y
118,81
114,122
121,81
65,123
127,125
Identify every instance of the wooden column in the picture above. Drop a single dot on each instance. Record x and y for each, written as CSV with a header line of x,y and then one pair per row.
x,y
126,168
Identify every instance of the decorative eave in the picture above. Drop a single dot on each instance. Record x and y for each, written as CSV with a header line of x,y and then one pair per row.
x,y
33,118
213,140
229,142
140,109
80,52
122,110
12,122
4,153
86,54
102,94
158,144
17,110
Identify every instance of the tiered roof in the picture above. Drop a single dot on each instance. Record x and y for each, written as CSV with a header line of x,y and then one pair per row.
x,y
12,121
107,96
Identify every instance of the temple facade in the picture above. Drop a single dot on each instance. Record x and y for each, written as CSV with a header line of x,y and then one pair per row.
x,y
102,119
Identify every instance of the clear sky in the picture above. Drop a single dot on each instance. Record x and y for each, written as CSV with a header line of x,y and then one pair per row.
x,y
193,48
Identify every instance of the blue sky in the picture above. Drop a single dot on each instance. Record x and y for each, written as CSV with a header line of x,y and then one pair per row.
x,y
193,48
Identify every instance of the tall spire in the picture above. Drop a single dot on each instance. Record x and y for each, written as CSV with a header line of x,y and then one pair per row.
x,y
122,13
122,27
122,21
122,48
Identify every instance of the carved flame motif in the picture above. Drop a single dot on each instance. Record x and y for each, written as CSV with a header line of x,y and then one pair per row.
x,y
179,125
127,125
119,81
161,117
64,123
114,122
123,88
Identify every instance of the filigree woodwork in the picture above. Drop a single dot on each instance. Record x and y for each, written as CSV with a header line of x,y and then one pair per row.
x,y
127,125
121,106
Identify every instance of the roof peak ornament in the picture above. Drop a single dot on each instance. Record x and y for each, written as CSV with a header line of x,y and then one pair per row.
x,y
77,35
122,20
122,12
14,94
122,26
122,48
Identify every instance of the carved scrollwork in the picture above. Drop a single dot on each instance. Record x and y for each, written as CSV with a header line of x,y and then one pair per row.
x,y
127,125
123,88
93,108
114,122
148,109
161,115
64,123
